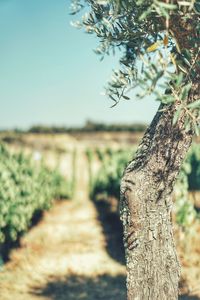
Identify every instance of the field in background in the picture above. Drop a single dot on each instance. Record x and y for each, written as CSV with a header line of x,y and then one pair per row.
x,y
81,156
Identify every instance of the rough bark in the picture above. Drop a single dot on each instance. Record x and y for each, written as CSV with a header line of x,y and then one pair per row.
x,y
145,208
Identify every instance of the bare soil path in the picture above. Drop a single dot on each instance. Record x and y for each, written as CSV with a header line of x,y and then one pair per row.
x,y
65,256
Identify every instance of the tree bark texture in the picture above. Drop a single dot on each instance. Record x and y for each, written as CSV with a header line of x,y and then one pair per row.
x,y
145,209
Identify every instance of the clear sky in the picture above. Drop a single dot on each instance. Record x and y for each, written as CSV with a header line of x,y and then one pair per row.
x,y
49,73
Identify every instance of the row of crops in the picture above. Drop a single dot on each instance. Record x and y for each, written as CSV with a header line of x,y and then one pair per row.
x,y
106,182
27,188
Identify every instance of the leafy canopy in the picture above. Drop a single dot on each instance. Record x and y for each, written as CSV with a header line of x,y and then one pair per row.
x,y
160,48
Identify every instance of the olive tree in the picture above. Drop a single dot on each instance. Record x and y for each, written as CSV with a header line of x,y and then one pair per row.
x,y
159,43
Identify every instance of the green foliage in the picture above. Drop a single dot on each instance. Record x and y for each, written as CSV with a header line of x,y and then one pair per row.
x,y
90,155
184,209
159,43
107,181
100,153
194,160
61,188
73,179
25,189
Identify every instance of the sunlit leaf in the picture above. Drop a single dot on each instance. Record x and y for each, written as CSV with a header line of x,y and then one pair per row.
x,y
153,47
194,105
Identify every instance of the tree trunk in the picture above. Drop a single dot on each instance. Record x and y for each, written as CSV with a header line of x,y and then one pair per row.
x,y
145,208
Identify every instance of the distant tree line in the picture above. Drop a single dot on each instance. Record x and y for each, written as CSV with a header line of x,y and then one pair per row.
x,y
88,127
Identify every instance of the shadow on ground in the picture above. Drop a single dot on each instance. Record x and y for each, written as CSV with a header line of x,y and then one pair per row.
x,y
9,245
103,287
186,297
112,229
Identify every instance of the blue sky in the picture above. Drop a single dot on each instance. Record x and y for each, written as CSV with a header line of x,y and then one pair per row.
x,y
49,73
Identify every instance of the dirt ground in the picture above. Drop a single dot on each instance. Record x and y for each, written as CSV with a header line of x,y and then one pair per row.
x,y
75,253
